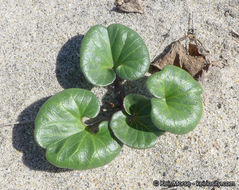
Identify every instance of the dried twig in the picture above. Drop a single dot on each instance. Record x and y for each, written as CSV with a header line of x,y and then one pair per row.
x,y
16,123
235,35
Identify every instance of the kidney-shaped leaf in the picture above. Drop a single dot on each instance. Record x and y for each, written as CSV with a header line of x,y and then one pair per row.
x,y
59,129
116,49
177,105
135,127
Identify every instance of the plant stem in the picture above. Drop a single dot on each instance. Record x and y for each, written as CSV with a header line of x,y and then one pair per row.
x,y
119,91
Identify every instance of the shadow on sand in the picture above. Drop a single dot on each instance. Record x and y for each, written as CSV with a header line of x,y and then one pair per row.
x,y
68,75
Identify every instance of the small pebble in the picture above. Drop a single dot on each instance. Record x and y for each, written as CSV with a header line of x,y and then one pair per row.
x,y
219,105
185,148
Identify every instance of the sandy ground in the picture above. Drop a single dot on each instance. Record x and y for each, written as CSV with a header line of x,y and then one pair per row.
x,y
38,57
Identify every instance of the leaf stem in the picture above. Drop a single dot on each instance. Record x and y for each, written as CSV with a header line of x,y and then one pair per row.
x,y
119,91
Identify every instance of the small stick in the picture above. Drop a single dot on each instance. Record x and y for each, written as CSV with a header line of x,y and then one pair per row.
x,y
235,35
190,24
16,123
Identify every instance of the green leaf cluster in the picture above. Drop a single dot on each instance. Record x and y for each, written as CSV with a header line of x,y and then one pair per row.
x,y
117,49
175,107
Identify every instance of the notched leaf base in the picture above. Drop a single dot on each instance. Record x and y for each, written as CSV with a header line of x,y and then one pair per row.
x,y
134,126
113,51
177,104
69,143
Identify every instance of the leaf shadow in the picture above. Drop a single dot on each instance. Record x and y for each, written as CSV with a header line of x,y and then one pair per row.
x,y
68,72
68,75
137,87
23,141
111,102
147,126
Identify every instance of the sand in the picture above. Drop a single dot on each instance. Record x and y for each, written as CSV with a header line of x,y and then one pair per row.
x,y
40,41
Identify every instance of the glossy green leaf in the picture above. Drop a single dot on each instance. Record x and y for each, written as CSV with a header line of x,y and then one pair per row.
x,y
96,58
59,129
135,127
117,49
177,105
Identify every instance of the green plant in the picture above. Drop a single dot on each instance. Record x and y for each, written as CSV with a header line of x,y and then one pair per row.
x,y
68,142
175,107
117,49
